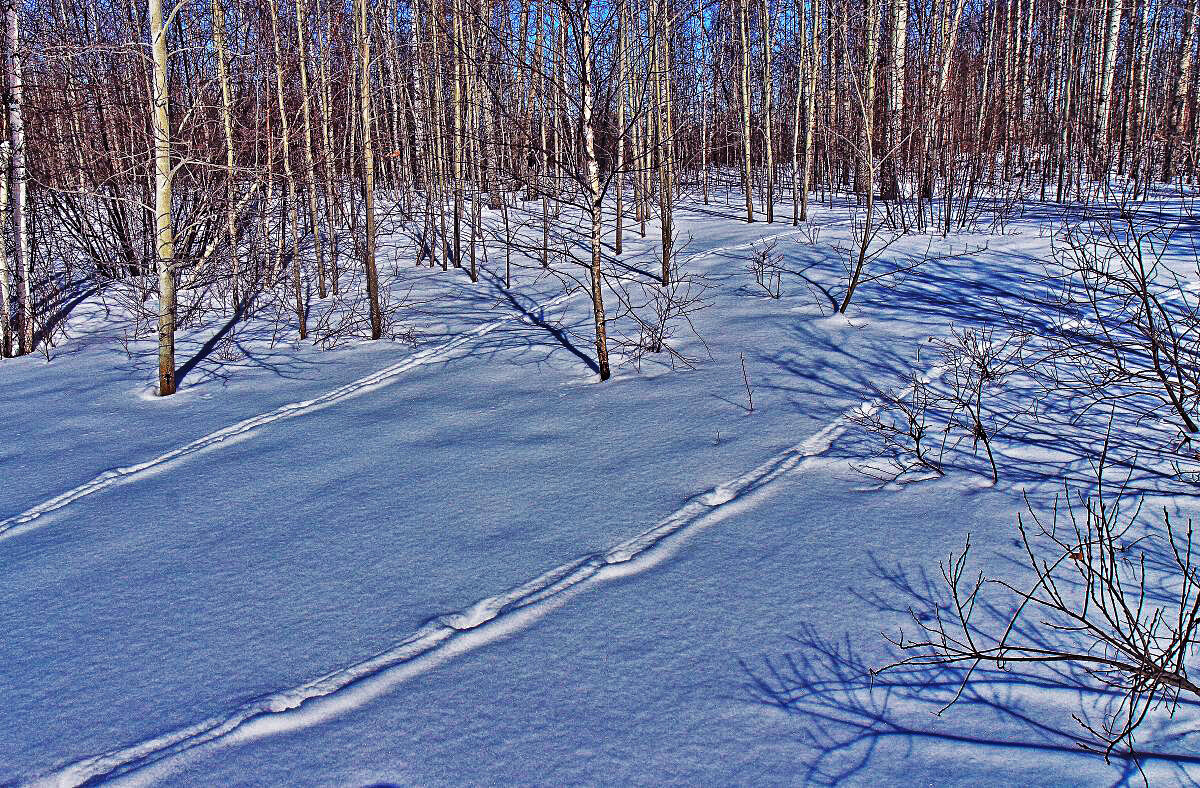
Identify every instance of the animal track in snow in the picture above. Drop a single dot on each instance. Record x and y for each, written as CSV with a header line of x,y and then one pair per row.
x,y
451,633
28,519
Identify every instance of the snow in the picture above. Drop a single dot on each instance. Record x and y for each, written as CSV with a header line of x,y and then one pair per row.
x,y
465,561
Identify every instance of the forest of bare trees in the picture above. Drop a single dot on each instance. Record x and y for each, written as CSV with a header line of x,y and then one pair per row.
x,y
201,158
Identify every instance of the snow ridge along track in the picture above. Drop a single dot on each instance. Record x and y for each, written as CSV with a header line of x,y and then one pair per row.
x,y
22,522
26,520
445,632
452,632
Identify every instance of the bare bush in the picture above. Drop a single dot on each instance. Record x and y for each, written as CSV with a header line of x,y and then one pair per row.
x,y
1102,593
868,256
766,265
1135,336
348,317
810,232
654,314
977,364
921,425
903,424
228,350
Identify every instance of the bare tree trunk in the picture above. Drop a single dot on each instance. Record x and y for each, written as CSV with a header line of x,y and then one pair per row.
x,y
1022,115
543,159
1062,96
810,96
285,153
866,158
810,124
842,78
619,166
1135,124
890,185
1177,111
457,142
592,181
164,230
764,17
310,166
1107,71
662,106
743,29
558,91
438,143
332,205
16,125
948,23
641,170
418,102
368,152
218,12
6,326
864,241
703,118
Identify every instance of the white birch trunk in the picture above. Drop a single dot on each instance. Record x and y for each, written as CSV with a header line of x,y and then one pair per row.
x,y
364,75
16,124
219,43
1108,69
164,229
6,327
744,84
764,17
592,181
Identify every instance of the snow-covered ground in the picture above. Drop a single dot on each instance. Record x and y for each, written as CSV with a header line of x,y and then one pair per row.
x,y
457,558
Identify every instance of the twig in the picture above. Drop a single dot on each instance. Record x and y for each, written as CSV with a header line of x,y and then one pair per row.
x,y
746,379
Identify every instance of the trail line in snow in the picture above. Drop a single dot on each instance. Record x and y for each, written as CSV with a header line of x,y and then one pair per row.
x,y
446,631
27,520
452,633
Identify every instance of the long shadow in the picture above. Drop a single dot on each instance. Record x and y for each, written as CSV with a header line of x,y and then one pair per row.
x,y
537,320
1059,429
211,343
849,710
73,295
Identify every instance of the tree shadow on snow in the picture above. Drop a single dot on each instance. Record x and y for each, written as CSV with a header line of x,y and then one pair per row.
x,y
848,713
1056,434
58,306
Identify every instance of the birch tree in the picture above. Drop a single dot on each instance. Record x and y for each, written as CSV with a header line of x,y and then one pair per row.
x,y
745,98
15,79
582,17
890,185
6,325
368,163
160,113
764,13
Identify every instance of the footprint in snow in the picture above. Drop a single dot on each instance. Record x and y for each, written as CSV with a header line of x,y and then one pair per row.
x,y
718,496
